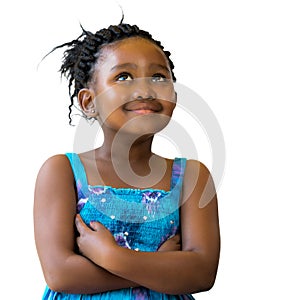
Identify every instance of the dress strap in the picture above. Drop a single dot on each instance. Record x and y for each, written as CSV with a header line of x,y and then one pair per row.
x,y
178,172
79,175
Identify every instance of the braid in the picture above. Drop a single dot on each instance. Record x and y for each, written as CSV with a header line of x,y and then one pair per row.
x,y
82,54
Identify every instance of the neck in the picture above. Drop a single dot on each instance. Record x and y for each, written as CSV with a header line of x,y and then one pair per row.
x,y
132,159
121,148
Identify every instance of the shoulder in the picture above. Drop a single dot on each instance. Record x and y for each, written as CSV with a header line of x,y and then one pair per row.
x,y
196,165
57,166
54,187
198,182
60,161
197,170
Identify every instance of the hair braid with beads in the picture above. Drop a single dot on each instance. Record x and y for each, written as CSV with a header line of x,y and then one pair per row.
x,y
82,54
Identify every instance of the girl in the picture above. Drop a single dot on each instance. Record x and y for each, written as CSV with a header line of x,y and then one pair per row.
x,y
139,230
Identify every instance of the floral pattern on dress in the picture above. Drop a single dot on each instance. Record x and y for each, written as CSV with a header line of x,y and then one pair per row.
x,y
97,190
121,239
80,204
173,232
82,199
151,201
80,193
140,294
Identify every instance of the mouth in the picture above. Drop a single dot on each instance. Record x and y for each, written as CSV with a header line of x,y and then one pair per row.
x,y
143,111
143,108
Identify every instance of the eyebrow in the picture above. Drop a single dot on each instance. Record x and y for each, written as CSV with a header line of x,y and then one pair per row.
x,y
122,66
134,66
153,66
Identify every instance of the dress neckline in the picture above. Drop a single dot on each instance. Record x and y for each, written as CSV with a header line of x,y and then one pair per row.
x,y
178,168
125,190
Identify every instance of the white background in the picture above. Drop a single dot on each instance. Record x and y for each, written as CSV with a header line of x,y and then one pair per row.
x,y
242,57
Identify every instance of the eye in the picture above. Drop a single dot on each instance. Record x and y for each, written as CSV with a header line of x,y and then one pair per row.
x,y
124,77
158,78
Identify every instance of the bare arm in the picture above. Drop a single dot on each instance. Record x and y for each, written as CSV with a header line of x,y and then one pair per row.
x,y
174,272
54,213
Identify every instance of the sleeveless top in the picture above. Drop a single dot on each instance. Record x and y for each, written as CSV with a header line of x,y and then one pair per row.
x,y
139,219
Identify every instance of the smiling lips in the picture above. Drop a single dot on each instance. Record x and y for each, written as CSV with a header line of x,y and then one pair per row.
x,y
143,107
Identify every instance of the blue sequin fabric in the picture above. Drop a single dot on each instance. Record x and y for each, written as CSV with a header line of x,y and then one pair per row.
x,y
139,219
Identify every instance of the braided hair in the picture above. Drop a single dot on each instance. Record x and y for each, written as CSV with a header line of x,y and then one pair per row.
x,y
82,54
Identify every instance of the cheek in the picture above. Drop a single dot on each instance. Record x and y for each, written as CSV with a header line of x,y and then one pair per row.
x,y
167,94
169,106
109,102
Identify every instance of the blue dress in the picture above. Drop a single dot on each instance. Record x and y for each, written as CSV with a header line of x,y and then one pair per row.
x,y
140,220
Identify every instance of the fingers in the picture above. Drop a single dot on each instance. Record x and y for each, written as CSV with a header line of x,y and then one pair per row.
x,y
173,243
81,226
97,226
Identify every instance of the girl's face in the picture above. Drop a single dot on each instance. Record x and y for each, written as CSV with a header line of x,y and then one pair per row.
x,y
132,87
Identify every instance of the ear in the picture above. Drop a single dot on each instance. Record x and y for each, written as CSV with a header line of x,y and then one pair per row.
x,y
86,101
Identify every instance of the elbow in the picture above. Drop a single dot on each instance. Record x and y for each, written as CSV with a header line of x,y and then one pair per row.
x,y
55,280
58,279
59,272
206,282
205,276
197,284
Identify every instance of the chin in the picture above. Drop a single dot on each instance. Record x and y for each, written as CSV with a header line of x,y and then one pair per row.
x,y
146,124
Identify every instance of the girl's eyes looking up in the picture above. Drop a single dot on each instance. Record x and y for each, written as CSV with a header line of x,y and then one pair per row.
x,y
127,77
159,78
124,77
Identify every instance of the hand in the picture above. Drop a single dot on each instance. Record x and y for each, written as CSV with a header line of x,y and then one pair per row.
x,y
95,242
171,244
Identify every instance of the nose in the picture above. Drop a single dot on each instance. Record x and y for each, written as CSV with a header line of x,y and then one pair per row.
x,y
150,97
143,89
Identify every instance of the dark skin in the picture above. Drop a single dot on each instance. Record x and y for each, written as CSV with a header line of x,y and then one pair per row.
x,y
184,264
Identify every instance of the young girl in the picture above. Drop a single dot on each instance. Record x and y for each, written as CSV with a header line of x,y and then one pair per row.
x,y
120,222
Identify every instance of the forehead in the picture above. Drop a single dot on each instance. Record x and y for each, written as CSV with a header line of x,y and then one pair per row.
x,y
135,49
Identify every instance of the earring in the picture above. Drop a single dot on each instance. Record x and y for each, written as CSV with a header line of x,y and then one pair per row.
x,y
93,111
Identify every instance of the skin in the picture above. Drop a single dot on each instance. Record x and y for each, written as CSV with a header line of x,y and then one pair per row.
x,y
184,264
